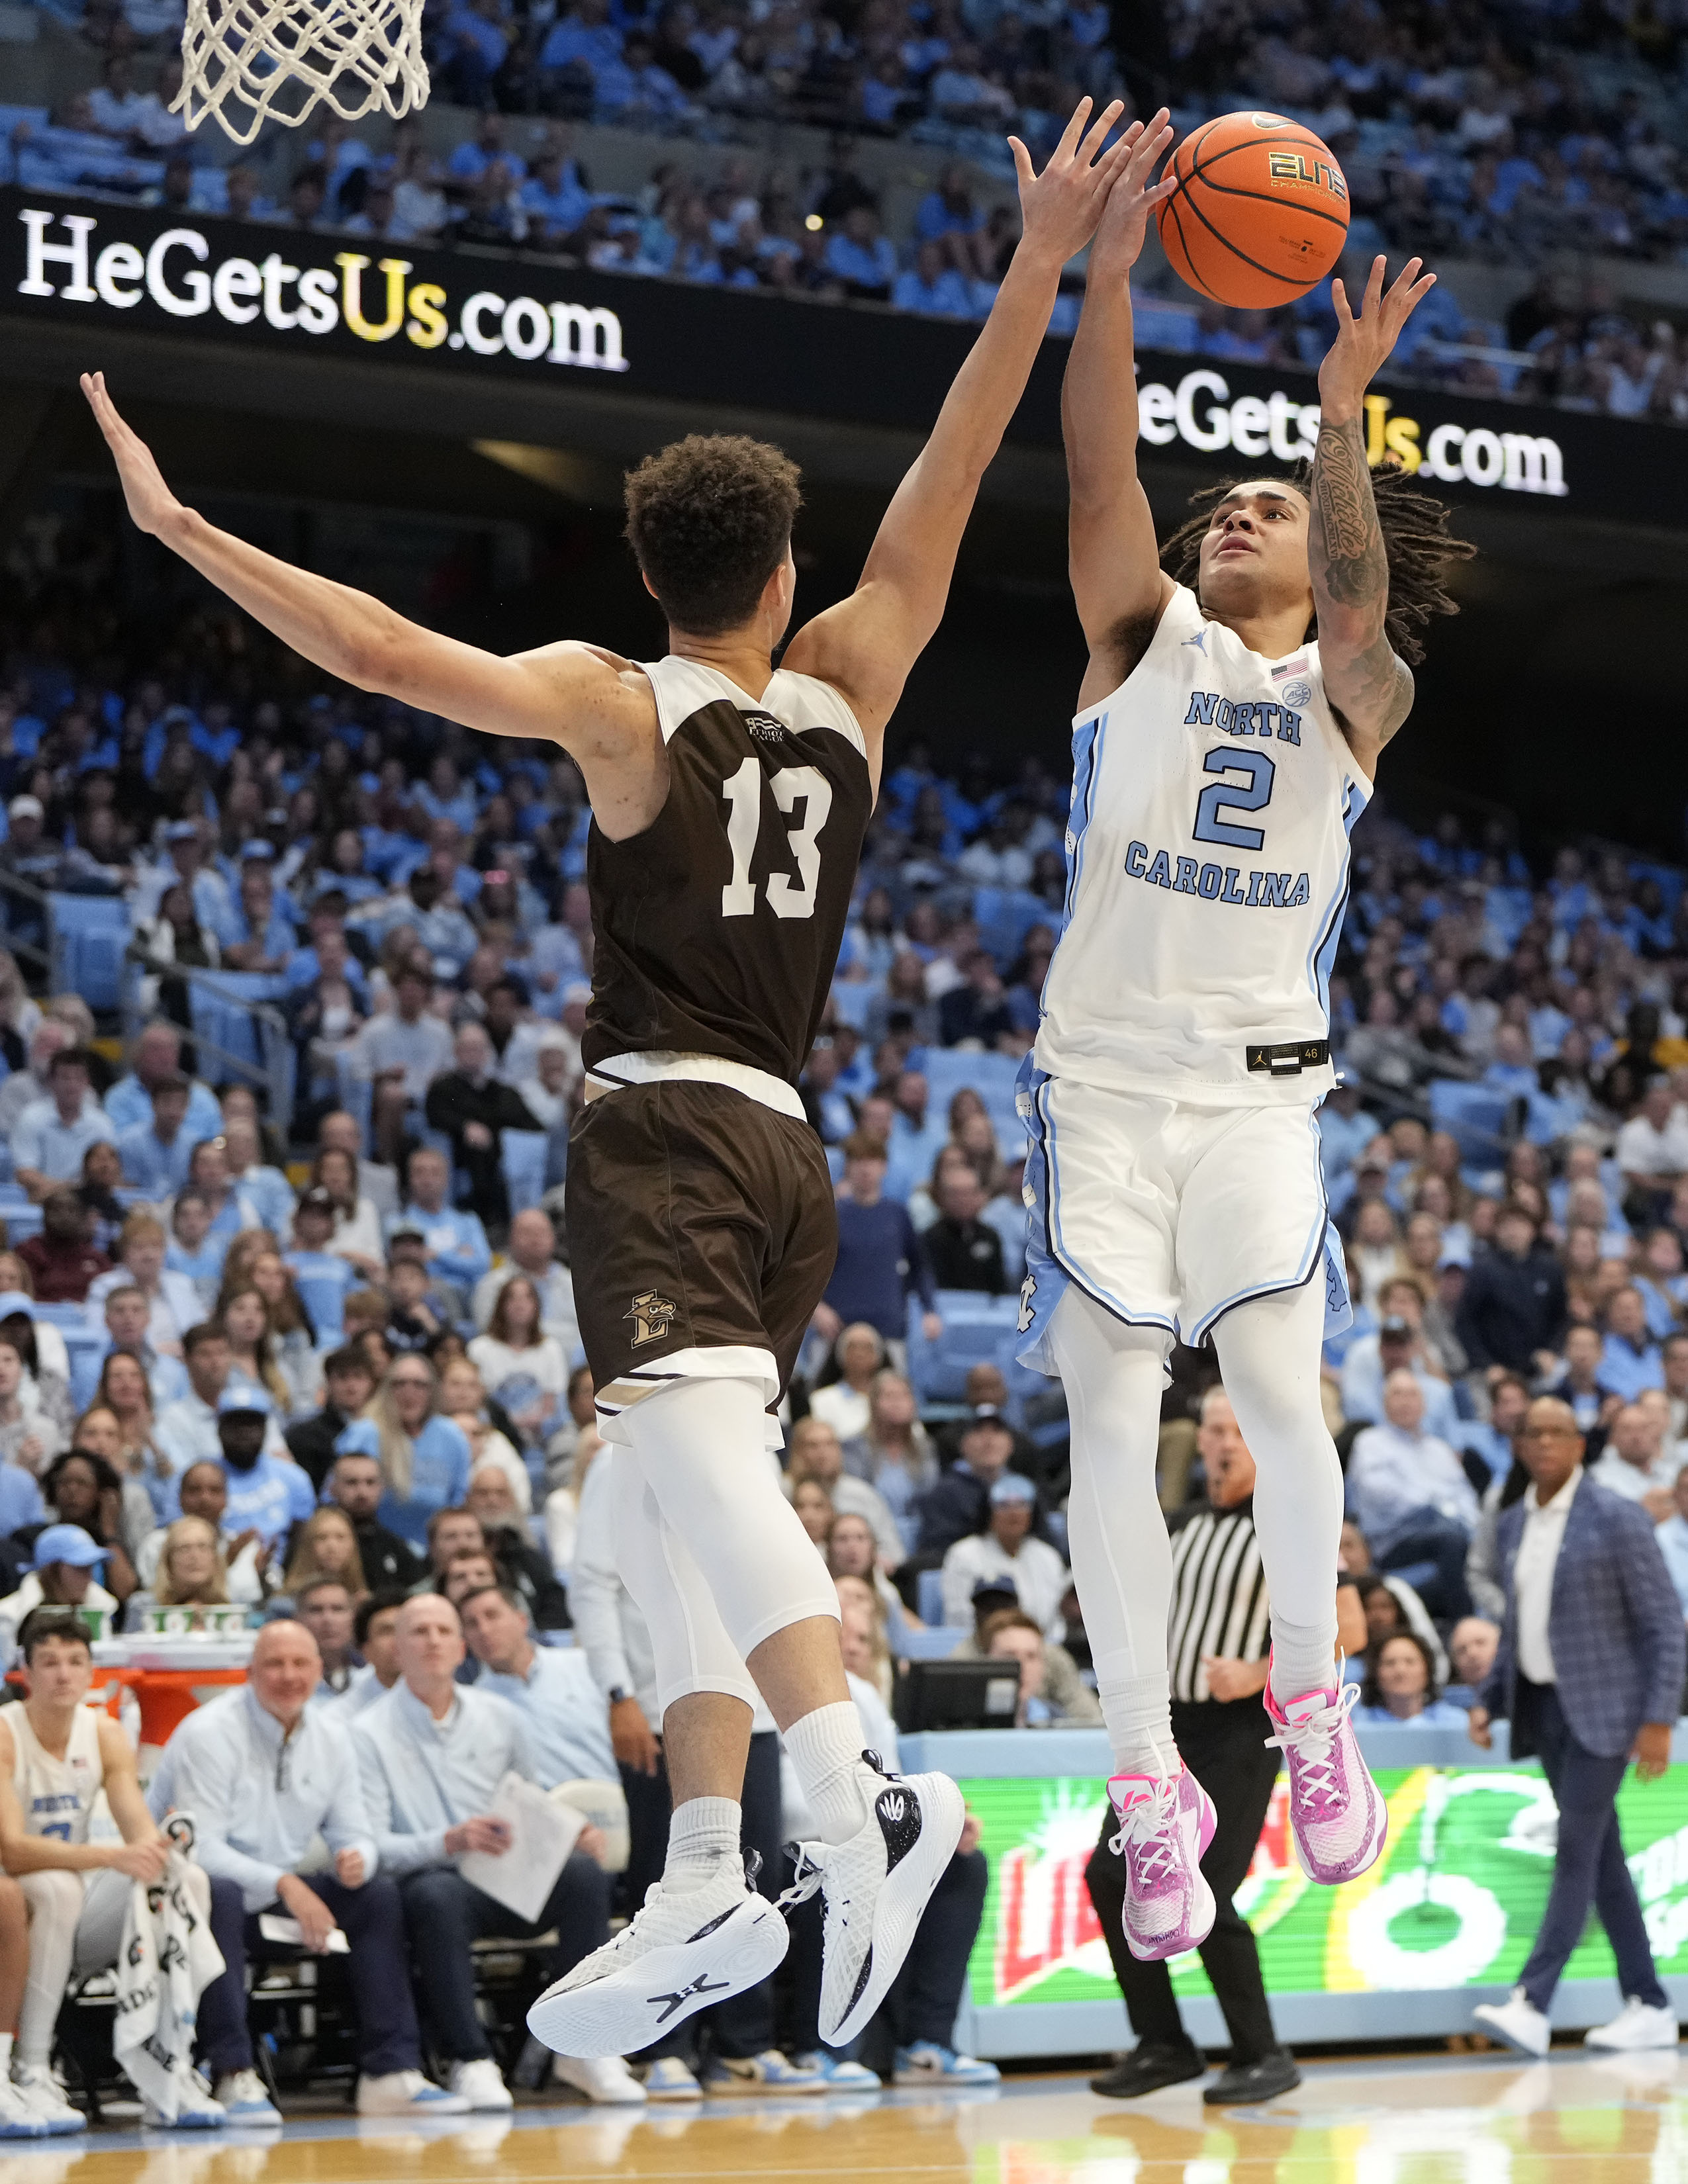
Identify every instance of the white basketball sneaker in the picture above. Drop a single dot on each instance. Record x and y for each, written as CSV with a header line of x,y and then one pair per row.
x,y
681,1952
874,1888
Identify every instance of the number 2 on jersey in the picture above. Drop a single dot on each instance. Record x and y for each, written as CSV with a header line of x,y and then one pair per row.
x,y
742,794
1226,795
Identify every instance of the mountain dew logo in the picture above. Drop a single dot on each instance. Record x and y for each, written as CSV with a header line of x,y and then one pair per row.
x,y
1455,1901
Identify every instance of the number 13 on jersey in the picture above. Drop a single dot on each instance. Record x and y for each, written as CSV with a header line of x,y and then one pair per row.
x,y
742,794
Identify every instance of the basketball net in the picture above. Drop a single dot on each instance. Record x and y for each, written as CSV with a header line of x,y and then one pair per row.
x,y
252,61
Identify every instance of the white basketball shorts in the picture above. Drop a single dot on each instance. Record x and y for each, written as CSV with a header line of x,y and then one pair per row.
x,y
1168,1216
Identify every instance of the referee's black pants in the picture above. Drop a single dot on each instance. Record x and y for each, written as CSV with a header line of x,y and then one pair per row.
x,y
1224,1747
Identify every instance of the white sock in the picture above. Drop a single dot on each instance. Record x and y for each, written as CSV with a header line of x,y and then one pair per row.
x,y
1139,1722
826,1755
1303,1658
703,1834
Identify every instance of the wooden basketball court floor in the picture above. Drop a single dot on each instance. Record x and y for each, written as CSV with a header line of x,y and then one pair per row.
x,y
1468,2120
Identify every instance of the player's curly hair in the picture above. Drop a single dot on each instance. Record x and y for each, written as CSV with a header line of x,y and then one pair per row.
x,y
1416,539
708,519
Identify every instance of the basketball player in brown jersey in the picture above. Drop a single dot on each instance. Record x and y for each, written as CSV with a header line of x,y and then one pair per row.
x,y
730,801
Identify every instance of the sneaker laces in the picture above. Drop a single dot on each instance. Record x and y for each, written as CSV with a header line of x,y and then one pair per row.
x,y
1148,1828
1312,1742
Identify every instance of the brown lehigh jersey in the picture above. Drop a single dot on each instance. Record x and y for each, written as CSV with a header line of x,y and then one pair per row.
x,y
717,929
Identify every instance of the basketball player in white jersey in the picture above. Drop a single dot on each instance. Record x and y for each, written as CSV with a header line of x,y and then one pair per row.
x,y
729,804
56,1755
1222,752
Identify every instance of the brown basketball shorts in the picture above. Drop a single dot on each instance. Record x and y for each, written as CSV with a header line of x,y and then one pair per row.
x,y
702,1235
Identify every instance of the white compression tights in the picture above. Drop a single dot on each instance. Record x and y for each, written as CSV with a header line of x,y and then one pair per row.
x,y
1269,1355
715,1556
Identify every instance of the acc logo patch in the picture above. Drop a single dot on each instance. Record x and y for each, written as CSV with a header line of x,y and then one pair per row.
x,y
1297,694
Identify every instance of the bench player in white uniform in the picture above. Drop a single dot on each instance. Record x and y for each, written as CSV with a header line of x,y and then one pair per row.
x,y
56,1755
1222,755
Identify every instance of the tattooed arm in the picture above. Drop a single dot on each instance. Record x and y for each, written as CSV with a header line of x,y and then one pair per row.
x,y
1369,687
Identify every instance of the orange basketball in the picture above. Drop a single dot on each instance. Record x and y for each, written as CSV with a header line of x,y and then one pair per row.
x,y
1260,213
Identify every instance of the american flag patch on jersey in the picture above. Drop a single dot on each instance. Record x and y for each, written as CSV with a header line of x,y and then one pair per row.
x,y
1290,667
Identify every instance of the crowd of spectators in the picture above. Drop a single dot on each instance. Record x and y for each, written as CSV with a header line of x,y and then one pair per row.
x,y
1475,132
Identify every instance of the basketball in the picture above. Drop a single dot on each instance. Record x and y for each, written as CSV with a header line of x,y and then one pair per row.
x,y
1260,213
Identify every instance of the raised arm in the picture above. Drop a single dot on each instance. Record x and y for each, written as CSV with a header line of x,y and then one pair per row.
x,y
1369,686
1113,558
867,644
566,694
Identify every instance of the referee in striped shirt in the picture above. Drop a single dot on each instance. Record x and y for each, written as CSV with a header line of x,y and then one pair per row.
x,y
1218,1645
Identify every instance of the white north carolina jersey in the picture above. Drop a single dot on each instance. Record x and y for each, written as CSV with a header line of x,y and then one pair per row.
x,y
57,1795
1207,863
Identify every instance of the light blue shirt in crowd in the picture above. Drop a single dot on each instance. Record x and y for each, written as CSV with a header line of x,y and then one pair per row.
x,y
457,1246
422,1777
1627,1371
157,1169
21,1502
259,1800
564,1714
439,1474
322,1279
269,1499
129,1106
1392,1476
57,1149
1363,1390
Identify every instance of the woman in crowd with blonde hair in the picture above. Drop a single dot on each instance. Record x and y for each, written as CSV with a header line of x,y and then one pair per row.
x,y
424,1458
326,1546
851,1551
463,1400
191,1571
863,1636
896,1454
815,1510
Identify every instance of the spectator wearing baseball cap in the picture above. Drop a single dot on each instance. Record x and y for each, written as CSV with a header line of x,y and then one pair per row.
x,y
321,1276
27,853
61,1575
1004,1547
268,1494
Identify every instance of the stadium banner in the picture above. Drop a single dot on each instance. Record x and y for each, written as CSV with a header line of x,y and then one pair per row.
x,y
484,316
1452,1905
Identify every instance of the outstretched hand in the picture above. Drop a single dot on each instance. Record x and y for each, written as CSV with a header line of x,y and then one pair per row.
x,y
151,502
1059,209
1363,343
1125,218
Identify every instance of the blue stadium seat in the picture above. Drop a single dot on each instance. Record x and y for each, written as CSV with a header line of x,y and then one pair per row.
x,y
90,935
1004,917
978,1331
1474,1116
87,1353
949,1070
522,1155
223,1014
938,1642
929,1599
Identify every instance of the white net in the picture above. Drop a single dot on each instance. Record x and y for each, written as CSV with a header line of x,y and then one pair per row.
x,y
252,61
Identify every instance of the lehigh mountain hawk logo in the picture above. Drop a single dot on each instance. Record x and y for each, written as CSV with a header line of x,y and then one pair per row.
x,y
650,1315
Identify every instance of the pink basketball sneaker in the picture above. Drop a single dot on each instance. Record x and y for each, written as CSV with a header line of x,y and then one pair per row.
x,y
1166,1823
1337,1816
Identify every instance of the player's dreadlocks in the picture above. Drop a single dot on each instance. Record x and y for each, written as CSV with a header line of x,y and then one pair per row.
x,y
1416,540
